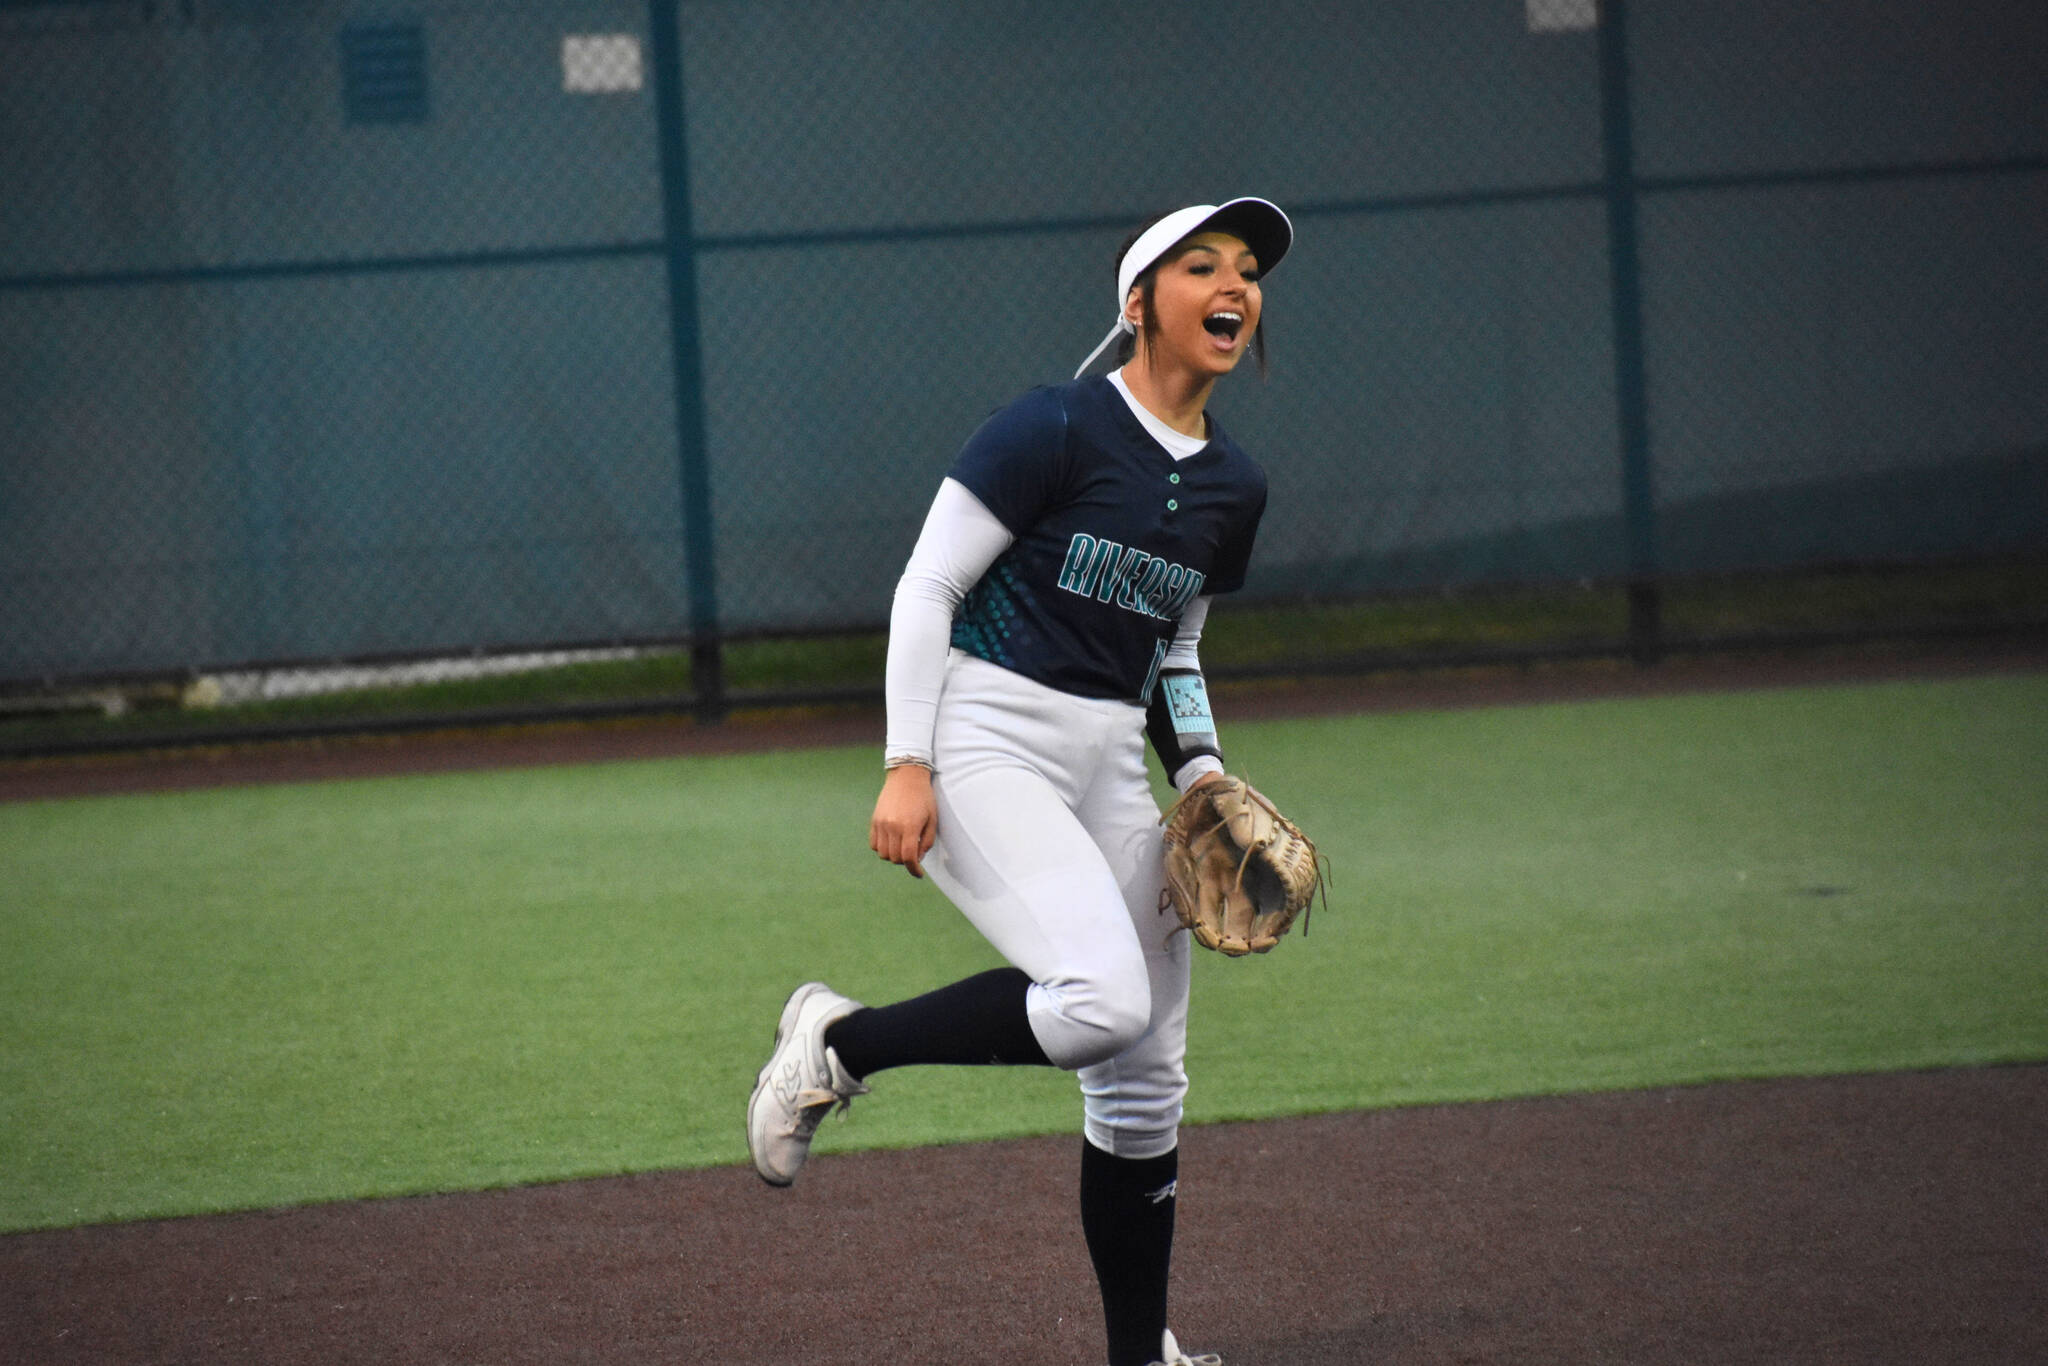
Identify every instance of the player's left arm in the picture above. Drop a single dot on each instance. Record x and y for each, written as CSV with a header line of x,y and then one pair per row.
x,y
1178,719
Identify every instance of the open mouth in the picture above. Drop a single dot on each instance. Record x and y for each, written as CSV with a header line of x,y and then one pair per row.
x,y
1224,324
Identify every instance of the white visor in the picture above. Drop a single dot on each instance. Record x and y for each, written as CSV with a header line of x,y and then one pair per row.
x,y
1258,223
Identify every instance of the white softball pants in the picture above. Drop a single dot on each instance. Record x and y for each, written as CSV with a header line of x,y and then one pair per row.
x,y
1048,841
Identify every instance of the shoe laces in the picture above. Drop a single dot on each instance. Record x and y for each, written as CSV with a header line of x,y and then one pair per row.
x,y
813,1106
814,1103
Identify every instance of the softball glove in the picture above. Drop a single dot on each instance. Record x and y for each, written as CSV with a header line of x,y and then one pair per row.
x,y
1238,873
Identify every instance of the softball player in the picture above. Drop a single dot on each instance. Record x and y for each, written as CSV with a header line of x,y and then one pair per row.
x,y
1047,623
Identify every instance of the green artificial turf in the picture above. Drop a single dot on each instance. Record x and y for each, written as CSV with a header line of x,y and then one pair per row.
x,y
261,996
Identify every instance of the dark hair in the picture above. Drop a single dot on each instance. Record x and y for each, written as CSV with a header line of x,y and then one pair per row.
x,y
1146,284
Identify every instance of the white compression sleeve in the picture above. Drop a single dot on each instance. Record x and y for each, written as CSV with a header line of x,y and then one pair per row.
x,y
1184,653
960,540
1187,636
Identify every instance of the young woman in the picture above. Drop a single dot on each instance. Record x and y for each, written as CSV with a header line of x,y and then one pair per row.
x,y
1046,624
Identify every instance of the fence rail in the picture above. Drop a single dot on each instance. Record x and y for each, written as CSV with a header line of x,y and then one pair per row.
x,y
601,323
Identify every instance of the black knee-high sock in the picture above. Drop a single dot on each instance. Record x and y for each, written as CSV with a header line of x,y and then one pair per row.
x,y
1127,1218
978,1020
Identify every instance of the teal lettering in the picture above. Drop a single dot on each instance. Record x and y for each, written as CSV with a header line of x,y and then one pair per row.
x,y
1168,591
1116,582
1146,590
1127,580
1074,573
1099,568
1129,577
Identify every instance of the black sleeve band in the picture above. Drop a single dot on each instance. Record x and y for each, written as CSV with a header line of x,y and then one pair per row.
x,y
1178,722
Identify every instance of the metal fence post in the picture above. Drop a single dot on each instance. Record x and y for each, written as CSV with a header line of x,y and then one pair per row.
x,y
1631,398
700,564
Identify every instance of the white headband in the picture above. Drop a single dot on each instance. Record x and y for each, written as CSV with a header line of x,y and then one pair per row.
x,y
1262,226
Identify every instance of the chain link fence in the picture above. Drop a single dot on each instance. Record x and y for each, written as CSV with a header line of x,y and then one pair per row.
x,y
583,334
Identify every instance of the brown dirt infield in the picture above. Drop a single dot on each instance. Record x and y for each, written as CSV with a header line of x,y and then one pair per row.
x,y
1878,1219
1865,1219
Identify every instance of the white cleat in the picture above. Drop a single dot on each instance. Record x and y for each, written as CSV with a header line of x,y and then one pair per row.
x,y
802,1083
1171,1355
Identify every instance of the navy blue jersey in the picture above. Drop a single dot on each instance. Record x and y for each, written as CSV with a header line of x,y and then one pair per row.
x,y
1114,538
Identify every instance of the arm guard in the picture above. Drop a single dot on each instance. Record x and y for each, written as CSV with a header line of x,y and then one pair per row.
x,y
1178,722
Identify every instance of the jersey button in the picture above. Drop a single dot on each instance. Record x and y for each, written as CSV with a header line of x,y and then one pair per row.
x,y
1172,505
1173,478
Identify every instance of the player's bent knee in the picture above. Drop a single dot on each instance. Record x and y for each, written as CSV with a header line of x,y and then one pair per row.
x,y
1115,1029
1094,1041
1088,1026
